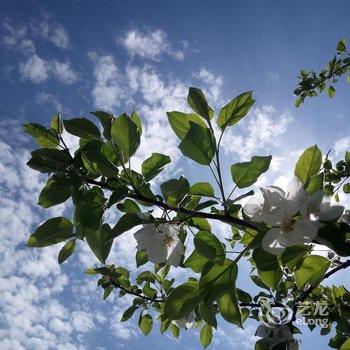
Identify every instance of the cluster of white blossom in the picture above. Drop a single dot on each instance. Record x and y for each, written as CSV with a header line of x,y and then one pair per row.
x,y
278,334
293,215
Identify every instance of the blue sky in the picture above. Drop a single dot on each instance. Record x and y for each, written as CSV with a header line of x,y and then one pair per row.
x,y
78,56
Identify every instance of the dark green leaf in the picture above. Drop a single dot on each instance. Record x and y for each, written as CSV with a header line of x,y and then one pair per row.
x,y
210,247
57,190
199,144
130,220
128,313
153,165
66,251
246,173
47,160
82,127
106,121
291,256
175,190
198,102
202,189
229,309
52,231
208,313
196,261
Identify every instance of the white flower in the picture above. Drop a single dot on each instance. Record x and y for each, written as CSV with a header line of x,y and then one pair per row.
x,y
277,334
345,218
161,243
186,322
318,207
278,210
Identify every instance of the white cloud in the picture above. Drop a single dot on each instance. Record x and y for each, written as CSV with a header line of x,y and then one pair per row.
x,y
107,92
342,145
262,127
149,44
51,31
46,98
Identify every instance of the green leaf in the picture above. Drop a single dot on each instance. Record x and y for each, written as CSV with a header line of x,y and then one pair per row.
x,y
175,331
95,161
153,165
199,144
141,258
268,267
246,173
175,190
308,164
341,47
57,124
216,280
206,335
262,344
90,209
229,308
181,301
200,223
107,291
129,206
100,241
106,121
44,138
235,110
57,190
292,256
82,127
129,313
316,183
137,120
198,102
202,189
66,251
52,231
196,261
47,160
130,220
210,247
311,271
180,122
331,91
125,133
346,188
346,345
208,313
145,324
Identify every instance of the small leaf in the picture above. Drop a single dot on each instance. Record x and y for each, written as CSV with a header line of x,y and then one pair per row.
x,y
52,231
137,120
246,173
107,292
308,164
198,102
341,47
141,258
180,122
44,138
66,251
206,335
175,331
130,220
57,124
235,110
175,190
311,271
153,165
199,144
229,308
82,127
331,91
204,189
145,324
128,313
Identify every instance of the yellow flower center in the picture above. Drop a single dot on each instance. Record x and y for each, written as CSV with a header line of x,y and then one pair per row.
x,y
168,241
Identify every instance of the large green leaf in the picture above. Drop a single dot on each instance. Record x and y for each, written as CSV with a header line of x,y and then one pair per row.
x,y
229,308
82,127
100,241
216,280
198,102
125,133
180,122
246,173
43,137
52,231
209,246
47,160
57,190
311,271
181,301
130,220
153,165
208,313
106,122
202,189
90,209
268,267
292,256
235,110
196,261
175,190
206,335
308,164
199,144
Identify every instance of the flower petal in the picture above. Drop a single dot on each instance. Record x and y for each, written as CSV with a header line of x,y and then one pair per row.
x,y
274,241
304,231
